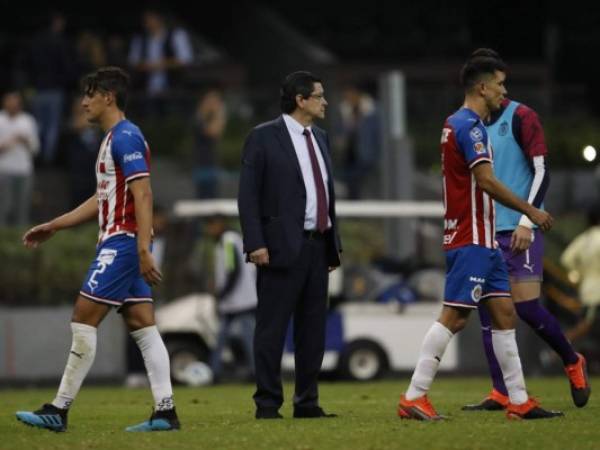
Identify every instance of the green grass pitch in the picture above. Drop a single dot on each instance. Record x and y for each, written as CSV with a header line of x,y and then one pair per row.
x,y
222,417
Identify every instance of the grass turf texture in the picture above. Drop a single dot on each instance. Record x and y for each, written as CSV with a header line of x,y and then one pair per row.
x,y
222,417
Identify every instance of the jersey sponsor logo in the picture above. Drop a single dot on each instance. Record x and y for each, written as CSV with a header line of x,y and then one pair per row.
x,y
476,293
448,238
479,147
476,134
132,156
477,279
450,224
445,133
105,258
127,132
503,129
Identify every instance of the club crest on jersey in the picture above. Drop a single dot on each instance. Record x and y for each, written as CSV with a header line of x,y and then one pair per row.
x,y
503,128
476,134
476,293
132,156
479,147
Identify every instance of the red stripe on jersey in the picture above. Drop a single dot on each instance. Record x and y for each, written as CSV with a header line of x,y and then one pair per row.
x,y
120,201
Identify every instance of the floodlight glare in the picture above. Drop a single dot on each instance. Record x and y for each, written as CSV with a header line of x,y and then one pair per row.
x,y
589,153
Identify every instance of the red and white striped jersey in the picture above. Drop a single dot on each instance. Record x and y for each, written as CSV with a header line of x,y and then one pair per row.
x,y
124,156
469,211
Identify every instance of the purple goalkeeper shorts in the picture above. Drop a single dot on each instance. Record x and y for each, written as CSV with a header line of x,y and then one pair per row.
x,y
527,265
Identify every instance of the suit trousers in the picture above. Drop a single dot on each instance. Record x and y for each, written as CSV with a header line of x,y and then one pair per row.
x,y
299,291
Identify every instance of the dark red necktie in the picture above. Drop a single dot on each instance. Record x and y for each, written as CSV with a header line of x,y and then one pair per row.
x,y
321,197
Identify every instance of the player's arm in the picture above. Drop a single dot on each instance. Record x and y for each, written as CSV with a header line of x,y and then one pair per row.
x,y
85,212
142,195
529,134
486,180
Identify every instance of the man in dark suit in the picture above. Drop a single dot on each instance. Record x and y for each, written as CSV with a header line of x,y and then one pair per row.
x,y
287,212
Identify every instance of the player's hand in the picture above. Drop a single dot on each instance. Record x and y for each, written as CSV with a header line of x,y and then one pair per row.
x,y
38,234
541,218
259,257
148,269
521,239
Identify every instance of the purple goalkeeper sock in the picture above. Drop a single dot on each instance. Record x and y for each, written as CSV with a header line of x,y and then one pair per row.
x,y
546,326
494,366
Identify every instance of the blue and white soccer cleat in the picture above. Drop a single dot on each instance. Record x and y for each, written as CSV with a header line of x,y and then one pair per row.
x,y
48,417
159,421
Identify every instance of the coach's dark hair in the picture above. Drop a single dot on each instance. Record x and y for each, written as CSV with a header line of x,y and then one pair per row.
x,y
108,79
297,83
483,61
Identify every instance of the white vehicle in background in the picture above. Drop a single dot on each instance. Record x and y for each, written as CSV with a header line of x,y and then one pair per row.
x,y
364,339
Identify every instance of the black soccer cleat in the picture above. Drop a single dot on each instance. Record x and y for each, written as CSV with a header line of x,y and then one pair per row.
x,y
530,410
48,417
578,379
496,401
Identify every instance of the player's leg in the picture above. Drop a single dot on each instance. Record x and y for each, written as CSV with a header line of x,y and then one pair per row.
x,y
545,325
498,398
465,267
414,404
87,315
138,314
503,317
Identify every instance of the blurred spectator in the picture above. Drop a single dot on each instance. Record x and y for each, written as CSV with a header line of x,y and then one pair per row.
x,y
158,55
47,68
91,52
19,143
235,285
116,50
582,259
359,138
209,125
82,141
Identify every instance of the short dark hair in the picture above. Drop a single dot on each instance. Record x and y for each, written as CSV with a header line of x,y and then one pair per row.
x,y
108,79
297,83
483,61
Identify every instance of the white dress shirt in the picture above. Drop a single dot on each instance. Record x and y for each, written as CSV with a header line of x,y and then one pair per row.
x,y
296,129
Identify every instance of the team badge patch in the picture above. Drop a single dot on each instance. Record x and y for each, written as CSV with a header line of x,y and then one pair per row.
x,y
503,128
479,148
476,134
476,293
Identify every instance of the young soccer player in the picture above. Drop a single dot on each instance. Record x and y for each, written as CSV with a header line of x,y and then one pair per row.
x,y
520,155
476,273
124,269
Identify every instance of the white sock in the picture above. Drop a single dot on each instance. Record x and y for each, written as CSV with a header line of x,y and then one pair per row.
x,y
433,348
507,354
156,360
81,357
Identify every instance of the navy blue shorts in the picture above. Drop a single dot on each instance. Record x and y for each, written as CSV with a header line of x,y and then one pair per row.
x,y
474,273
114,276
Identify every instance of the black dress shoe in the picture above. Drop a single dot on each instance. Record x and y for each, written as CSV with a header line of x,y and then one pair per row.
x,y
268,413
310,412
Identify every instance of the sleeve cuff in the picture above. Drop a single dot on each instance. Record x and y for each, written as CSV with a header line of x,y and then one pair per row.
x,y
526,222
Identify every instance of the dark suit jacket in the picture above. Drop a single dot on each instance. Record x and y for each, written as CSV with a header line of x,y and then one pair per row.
x,y
272,196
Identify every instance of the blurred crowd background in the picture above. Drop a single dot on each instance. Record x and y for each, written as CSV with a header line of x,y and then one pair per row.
x,y
204,74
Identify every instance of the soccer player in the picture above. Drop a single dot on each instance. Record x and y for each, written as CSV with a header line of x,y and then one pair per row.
x,y
124,268
520,163
476,273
